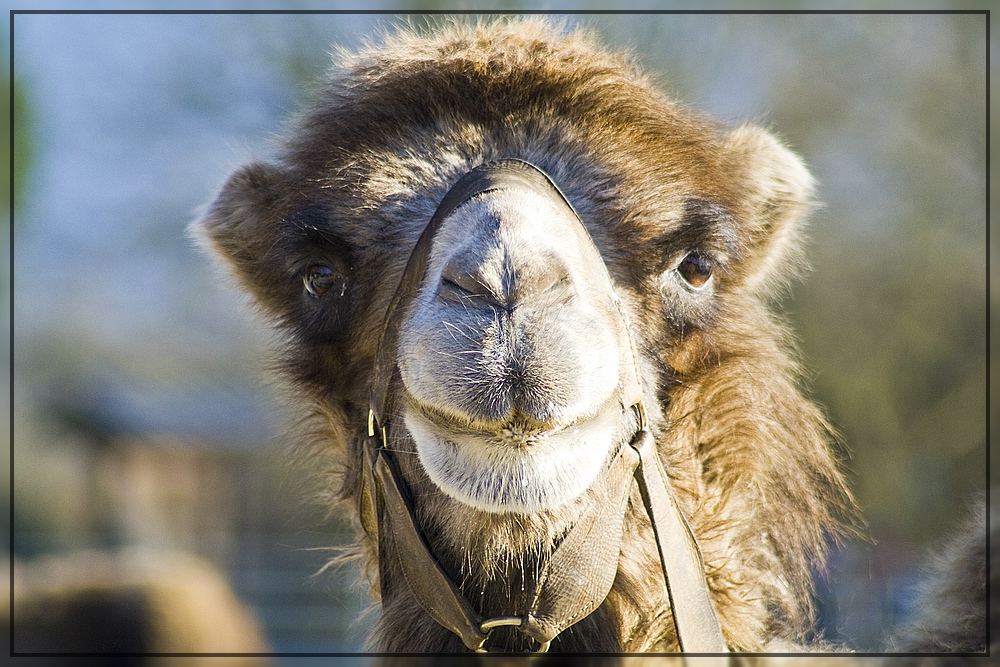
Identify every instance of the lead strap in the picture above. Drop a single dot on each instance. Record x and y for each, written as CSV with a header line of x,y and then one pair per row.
x,y
697,627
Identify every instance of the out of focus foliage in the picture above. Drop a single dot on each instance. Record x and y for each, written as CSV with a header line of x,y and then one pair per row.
x,y
893,318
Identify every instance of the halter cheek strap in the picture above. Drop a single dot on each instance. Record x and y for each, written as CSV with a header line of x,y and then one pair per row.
x,y
580,572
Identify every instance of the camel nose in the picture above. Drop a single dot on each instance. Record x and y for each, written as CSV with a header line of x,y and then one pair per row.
x,y
509,269
500,275
516,322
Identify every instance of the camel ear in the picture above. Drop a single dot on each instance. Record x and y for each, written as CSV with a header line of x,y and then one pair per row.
x,y
242,228
776,196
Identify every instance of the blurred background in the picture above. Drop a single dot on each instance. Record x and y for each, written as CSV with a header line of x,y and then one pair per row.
x,y
149,447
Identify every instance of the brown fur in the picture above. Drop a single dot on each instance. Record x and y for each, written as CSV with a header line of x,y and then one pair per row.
x,y
748,454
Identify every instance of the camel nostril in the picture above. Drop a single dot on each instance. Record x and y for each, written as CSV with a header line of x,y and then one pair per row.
x,y
560,285
546,279
506,286
459,284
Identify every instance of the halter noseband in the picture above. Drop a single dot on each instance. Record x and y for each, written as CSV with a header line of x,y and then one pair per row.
x,y
581,570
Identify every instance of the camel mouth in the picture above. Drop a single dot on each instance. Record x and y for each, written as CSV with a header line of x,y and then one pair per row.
x,y
518,430
517,466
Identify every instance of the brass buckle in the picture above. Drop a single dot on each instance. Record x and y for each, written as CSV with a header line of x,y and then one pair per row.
x,y
640,413
373,423
487,626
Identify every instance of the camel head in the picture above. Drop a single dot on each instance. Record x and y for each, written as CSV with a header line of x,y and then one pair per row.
x,y
631,260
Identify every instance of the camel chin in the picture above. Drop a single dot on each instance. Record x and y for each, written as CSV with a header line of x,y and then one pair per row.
x,y
510,470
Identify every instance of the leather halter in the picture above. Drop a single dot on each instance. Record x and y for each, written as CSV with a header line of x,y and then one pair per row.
x,y
580,571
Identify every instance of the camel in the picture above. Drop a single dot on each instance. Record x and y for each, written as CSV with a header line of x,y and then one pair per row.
x,y
527,302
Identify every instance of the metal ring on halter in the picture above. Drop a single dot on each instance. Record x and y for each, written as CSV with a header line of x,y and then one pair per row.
x,y
487,626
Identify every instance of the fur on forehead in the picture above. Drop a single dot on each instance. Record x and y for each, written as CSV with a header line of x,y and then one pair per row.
x,y
473,93
397,123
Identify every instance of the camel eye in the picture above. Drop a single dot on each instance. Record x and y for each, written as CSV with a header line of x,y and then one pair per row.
x,y
318,279
695,269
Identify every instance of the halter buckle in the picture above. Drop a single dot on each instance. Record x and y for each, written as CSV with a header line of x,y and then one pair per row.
x,y
487,626
640,413
372,424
